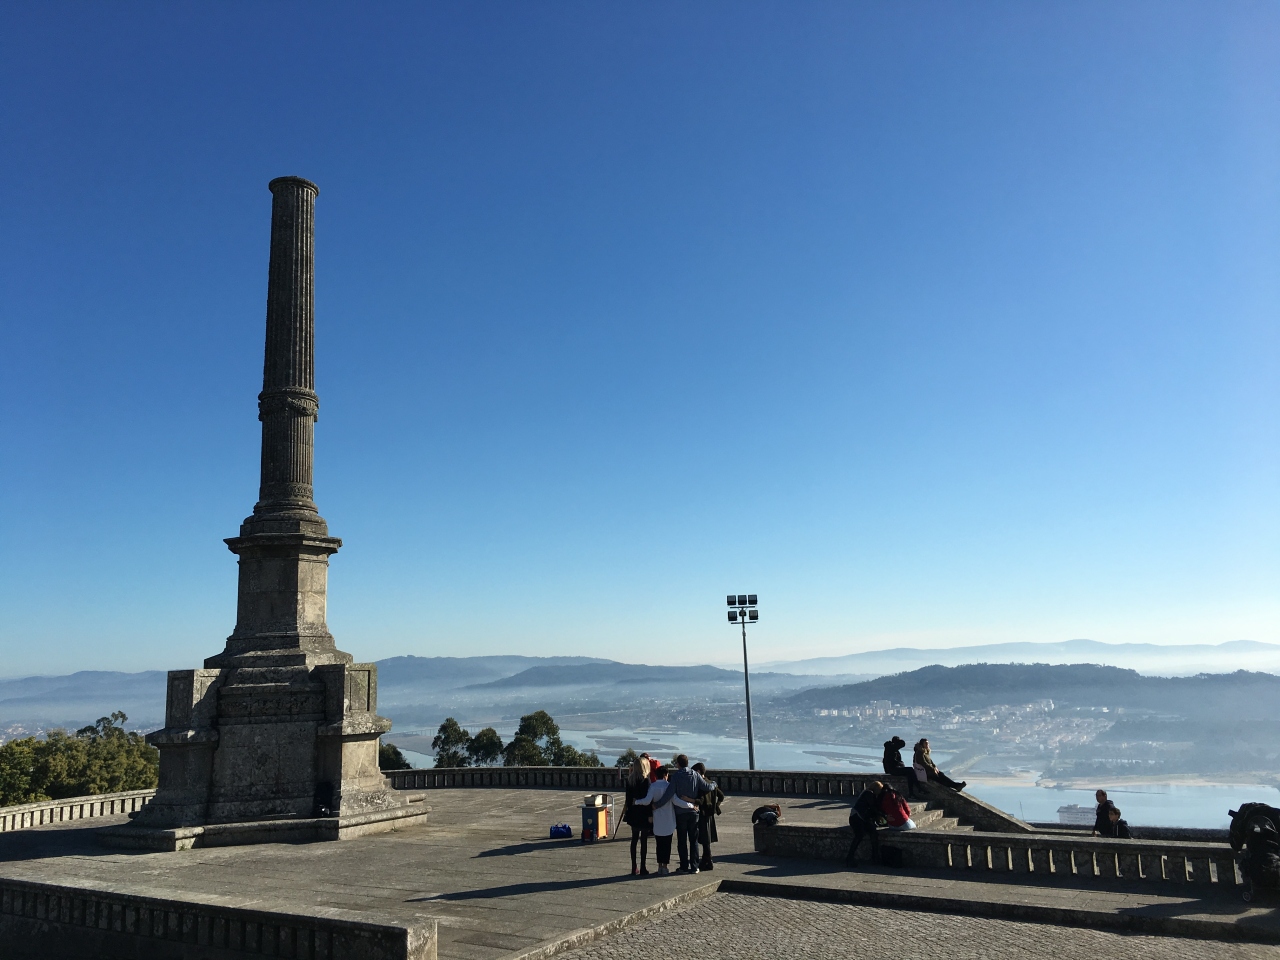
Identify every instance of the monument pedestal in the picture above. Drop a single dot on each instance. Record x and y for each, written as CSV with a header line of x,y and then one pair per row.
x,y
277,737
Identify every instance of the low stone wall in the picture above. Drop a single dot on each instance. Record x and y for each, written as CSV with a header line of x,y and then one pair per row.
x,y
28,815
46,921
1040,854
766,783
1196,834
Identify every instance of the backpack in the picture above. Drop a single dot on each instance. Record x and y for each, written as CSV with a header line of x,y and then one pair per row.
x,y
890,857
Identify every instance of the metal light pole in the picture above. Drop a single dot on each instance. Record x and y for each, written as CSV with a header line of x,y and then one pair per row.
x,y
742,607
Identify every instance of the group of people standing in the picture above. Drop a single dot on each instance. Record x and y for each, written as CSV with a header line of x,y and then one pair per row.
x,y
662,802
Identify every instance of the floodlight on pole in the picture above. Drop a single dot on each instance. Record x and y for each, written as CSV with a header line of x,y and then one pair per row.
x,y
742,609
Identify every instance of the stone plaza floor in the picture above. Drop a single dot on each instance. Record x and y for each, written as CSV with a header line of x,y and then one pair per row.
x,y
484,868
766,928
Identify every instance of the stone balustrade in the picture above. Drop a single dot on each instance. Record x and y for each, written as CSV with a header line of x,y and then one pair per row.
x,y
28,815
765,783
74,921
1056,855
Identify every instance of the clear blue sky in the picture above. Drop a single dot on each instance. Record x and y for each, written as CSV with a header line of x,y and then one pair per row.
x,y
930,323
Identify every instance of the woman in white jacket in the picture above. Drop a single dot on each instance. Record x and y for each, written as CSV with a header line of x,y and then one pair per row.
x,y
662,799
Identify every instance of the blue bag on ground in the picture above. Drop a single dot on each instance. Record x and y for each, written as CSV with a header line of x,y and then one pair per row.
x,y
561,831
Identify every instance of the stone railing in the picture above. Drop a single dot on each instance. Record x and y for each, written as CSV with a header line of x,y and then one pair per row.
x,y
46,920
1198,834
765,783
554,778
1040,855
28,815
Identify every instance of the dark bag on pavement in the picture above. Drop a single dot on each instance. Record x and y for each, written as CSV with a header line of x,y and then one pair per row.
x,y
890,857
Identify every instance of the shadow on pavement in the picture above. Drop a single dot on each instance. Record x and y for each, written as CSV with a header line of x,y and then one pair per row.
x,y
58,841
521,889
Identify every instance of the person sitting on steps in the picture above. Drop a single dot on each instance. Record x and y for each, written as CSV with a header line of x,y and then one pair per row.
x,y
927,770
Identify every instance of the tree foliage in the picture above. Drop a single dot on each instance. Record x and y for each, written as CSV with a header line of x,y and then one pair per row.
x,y
390,757
101,758
628,757
485,748
537,743
450,744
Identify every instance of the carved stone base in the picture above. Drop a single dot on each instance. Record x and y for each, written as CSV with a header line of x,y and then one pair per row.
x,y
137,836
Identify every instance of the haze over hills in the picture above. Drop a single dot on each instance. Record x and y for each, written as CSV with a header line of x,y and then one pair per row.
x,y
1167,660
417,692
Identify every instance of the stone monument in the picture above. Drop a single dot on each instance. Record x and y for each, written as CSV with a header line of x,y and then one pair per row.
x,y
277,737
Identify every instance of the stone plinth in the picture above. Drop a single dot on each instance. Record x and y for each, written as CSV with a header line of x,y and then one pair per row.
x,y
281,725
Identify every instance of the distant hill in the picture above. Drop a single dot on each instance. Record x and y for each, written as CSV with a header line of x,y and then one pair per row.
x,y
1239,696
611,673
78,699
459,671
1148,658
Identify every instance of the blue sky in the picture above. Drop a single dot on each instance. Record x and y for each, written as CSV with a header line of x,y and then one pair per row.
x,y
932,324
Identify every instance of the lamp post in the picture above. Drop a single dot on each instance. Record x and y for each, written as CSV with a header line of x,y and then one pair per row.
x,y
742,608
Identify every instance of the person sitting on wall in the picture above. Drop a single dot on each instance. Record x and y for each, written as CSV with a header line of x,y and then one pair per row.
x,y
927,770
1102,815
894,766
864,817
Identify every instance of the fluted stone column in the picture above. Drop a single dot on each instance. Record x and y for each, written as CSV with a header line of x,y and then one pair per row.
x,y
288,403
284,547
281,723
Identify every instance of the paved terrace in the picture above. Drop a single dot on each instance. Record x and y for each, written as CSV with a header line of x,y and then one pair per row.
x,y
484,868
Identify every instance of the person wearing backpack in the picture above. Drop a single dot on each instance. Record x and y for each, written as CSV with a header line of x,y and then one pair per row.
x,y
864,817
659,799
896,811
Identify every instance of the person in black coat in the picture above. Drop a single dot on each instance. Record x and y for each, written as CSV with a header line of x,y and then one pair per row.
x,y
894,766
637,817
1102,816
863,818
708,807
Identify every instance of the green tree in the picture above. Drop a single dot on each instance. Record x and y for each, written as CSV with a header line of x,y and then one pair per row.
x,y
537,744
390,757
523,751
450,744
536,741
101,758
485,748
628,757
17,768
567,755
